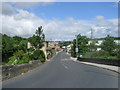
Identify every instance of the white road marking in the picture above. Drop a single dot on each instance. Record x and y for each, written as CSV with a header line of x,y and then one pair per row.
x,y
65,66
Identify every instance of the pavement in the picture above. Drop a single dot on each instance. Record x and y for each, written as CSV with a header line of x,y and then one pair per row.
x,y
64,72
108,67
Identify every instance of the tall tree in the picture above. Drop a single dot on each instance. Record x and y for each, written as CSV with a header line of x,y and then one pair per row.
x,y
7,47
82,45
73,52
108,44
38,39
17,38
40,36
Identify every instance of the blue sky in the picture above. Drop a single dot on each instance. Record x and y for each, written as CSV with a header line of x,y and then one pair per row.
x,y
78,10
60,20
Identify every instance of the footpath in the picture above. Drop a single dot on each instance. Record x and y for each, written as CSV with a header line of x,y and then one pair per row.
x,y
108,67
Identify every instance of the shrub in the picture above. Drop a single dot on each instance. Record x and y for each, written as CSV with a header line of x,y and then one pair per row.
x,y
96,54
118,54
38,54
24,59
12,59
42,59
19,53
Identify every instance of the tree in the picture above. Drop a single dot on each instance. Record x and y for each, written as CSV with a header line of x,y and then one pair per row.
x,y
17,38
7,47
82,45
23,45
19,54
40,37
73,52
37,39
38,55
108,44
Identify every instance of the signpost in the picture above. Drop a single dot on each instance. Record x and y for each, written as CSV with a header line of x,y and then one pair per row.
x,y
76,46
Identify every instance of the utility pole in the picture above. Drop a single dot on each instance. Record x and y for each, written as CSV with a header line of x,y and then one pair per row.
x,y
91,48
91,33
76,46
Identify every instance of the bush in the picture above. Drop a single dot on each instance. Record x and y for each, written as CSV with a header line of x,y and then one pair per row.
x,y
19,53
38,55
12,59
96,54
24,59
118,54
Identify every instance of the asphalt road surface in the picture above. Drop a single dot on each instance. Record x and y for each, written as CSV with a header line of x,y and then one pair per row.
x,y
63,72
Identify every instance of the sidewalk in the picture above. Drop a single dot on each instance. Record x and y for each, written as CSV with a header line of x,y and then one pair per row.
x,y
108,67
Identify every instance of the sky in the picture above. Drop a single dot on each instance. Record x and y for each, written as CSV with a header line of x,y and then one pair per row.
x,y
60,20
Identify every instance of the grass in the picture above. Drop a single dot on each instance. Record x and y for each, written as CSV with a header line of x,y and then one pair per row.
x,y
99,55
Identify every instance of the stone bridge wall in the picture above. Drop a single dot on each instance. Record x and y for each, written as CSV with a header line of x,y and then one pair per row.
x,y
10,71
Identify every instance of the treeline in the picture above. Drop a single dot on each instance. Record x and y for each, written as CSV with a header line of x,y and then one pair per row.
x,y
108,48
115,38
15,49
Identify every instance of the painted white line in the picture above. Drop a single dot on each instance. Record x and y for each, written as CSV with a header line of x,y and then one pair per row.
x,y
65,66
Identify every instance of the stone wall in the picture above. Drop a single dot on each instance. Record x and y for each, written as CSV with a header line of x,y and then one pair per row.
x,y
113,62
10,71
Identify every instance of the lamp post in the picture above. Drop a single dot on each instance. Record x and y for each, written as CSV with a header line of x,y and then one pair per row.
x,y
76,46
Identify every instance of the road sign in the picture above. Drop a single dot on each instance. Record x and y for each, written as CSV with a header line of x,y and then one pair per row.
x,y
76,49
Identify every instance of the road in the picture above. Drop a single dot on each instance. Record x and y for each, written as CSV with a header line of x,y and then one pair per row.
x,y
63,72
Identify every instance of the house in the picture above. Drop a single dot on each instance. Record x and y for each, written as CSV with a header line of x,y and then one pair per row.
x,y
99,42
47,47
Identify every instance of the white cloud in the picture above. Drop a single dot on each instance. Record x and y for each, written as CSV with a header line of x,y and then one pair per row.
x,y
104,26
24,24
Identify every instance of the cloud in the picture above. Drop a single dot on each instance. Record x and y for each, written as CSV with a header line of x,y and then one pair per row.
x,y
24,24
7,9
103,27
31,4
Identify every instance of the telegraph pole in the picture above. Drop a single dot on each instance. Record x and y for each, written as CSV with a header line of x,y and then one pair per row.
x,y
91,33
91,39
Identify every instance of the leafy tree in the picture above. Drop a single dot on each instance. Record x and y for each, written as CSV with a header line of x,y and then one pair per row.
x,y
24,59
23,45
38,55
108,45
19,53
38,38
73,52
33,41
7,47
82,45
17,38
0,42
